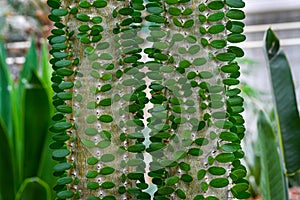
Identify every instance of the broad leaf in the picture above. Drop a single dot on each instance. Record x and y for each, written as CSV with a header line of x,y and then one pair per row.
x,y
36,123
7,187
5,98
273,185
287,113
34,188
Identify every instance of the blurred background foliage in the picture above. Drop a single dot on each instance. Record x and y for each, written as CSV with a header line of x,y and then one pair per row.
x,y
25,101
25,110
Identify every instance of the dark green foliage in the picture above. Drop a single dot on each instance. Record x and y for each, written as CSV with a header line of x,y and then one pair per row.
x,y
286,108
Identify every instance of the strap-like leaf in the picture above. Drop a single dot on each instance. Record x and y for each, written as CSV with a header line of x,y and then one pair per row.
x,y
35,125
7,190
287,113
5,83
34,188
273,185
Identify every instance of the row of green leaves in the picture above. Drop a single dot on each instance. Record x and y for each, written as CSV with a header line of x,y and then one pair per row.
x,y
168,114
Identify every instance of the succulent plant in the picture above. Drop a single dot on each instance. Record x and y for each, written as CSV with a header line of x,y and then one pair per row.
x,y
158,78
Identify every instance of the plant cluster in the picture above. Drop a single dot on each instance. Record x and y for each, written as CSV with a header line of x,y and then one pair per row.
x,y
126,69
25,112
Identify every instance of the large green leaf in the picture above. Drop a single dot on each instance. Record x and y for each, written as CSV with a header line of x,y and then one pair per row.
x,y
273,184
45,76
36,123
34,188
287,114
17,93
5,84
7,187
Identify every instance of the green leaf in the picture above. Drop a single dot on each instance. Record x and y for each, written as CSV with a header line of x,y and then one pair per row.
x,y
84,4
219,182
59,12
195,152
107,158
60,153
225,157
35,125
216,170
199,61
172,180
155,146
236,37
186,178
230,68
106,118
165,190
225,56
229,136
100,4
188,24
64,108
64,180
218,44
287,113
174,11
125,11
201,141
92,161
216,16
217,28
272,173
93,185
54,3
155,18
104,144
106,170
83,17
180,193
240,187
5,96
184,166
88,143
7,181
61,167
107,185
135,175
215,5
34,188
58,39
170,2
135,162
66,194
235,14
137,148
179,155
235,3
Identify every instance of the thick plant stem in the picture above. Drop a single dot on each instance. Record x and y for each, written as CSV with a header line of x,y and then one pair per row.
x,y
106,54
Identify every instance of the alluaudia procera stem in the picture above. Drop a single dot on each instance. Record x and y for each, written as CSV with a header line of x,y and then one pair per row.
x,y
127,72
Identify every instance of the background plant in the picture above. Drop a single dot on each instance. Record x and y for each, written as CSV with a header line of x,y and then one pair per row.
x,y
274,128
24,119
192,111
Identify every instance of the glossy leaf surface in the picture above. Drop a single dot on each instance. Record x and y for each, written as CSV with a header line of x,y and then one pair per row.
x,y
287,113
